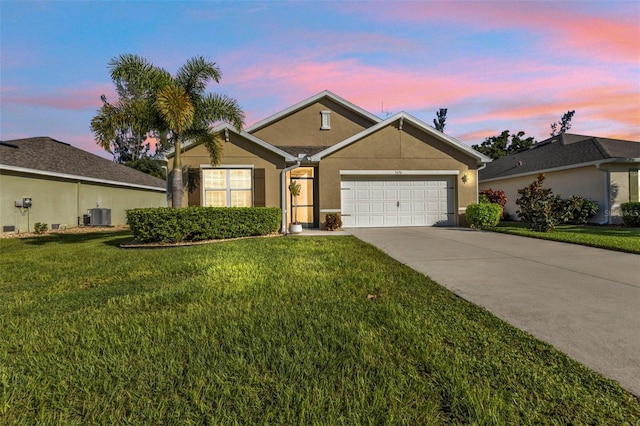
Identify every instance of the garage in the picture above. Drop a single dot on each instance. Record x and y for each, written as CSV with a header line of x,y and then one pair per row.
x,y
387,201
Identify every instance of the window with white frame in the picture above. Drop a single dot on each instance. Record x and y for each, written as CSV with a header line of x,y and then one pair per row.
x,y
227,187
325,122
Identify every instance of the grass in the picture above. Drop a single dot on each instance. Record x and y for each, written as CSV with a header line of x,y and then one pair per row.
x,y
267,331
607,237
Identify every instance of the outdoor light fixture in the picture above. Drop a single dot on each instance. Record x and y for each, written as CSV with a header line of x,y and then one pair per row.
x,y
465,178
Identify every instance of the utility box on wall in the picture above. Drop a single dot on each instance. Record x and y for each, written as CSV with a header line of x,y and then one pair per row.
x,y
24,203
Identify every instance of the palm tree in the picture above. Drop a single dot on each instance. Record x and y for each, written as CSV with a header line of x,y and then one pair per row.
x,y
176,108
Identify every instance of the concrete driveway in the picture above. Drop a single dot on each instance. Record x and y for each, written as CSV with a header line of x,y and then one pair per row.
x,y
584,301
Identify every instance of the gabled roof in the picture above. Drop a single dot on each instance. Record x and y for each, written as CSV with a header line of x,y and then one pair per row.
x,y
225,127
481,158
49,157
561,152
310,101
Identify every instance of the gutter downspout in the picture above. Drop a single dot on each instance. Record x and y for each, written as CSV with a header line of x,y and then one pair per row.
x,y
283,192
478,180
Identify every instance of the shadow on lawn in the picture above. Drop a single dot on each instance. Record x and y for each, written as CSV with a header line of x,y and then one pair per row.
x,y
118,237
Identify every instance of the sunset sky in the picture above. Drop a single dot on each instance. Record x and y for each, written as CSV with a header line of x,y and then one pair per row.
x,y
496,65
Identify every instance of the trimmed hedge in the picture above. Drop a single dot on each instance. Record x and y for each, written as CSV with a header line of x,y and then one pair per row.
x,y
167,225
631,213
483,215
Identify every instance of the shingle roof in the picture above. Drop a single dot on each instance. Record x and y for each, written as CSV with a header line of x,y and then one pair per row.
x,y
308,150
48,155
560,151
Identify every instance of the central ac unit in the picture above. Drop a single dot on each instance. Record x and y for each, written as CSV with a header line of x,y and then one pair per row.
x,y
99,217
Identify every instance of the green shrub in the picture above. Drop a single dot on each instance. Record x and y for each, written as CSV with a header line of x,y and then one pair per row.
x,y
543,211
483,215
538,206
40,228
201,223
631,213
495,197
332,221
578,210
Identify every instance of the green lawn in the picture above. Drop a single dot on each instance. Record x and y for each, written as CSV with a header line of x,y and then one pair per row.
x,y
267,331
608,237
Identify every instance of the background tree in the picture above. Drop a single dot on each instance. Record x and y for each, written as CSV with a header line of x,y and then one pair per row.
x,y
499,146
119,129
441,117
173,109
149,166
560,127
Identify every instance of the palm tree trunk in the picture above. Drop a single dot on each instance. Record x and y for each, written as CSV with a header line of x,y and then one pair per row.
x,y
176,177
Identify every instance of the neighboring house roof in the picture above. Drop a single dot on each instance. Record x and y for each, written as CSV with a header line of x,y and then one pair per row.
x,y
404,117
561,152
309,101
49,157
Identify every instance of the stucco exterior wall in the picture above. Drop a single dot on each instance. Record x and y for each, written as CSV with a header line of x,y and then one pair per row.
x,y
588,182
394,149
302,128
237,152
62,201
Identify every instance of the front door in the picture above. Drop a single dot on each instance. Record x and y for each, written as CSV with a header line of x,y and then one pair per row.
x,y
303,206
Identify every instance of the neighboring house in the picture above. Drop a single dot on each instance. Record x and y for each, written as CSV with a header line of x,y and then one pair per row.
x,y
393,172
64,183
603,170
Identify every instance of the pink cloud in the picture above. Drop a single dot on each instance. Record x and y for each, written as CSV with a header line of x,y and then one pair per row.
x,y
70,98
563,27
474,99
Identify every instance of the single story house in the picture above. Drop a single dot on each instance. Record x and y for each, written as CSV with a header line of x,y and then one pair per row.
x,y
48,181
603,170
396,171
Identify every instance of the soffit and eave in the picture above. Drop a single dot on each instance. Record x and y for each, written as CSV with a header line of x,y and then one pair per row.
x,y
313,154
401,118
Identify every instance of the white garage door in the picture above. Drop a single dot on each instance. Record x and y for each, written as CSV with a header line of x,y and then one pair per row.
x,y
371,201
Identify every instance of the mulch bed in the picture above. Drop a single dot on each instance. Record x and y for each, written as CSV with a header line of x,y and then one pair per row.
x,y
74,230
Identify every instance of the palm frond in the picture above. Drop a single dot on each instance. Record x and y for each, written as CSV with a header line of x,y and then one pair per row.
x,y
134,76
210,140
196,73
214,108
176,108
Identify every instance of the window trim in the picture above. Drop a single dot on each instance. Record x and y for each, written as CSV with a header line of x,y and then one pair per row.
x,y
325,120
228,189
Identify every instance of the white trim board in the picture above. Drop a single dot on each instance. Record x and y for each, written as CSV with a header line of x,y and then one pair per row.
x,y
225,126
227,166
399,172
80,178
403,117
